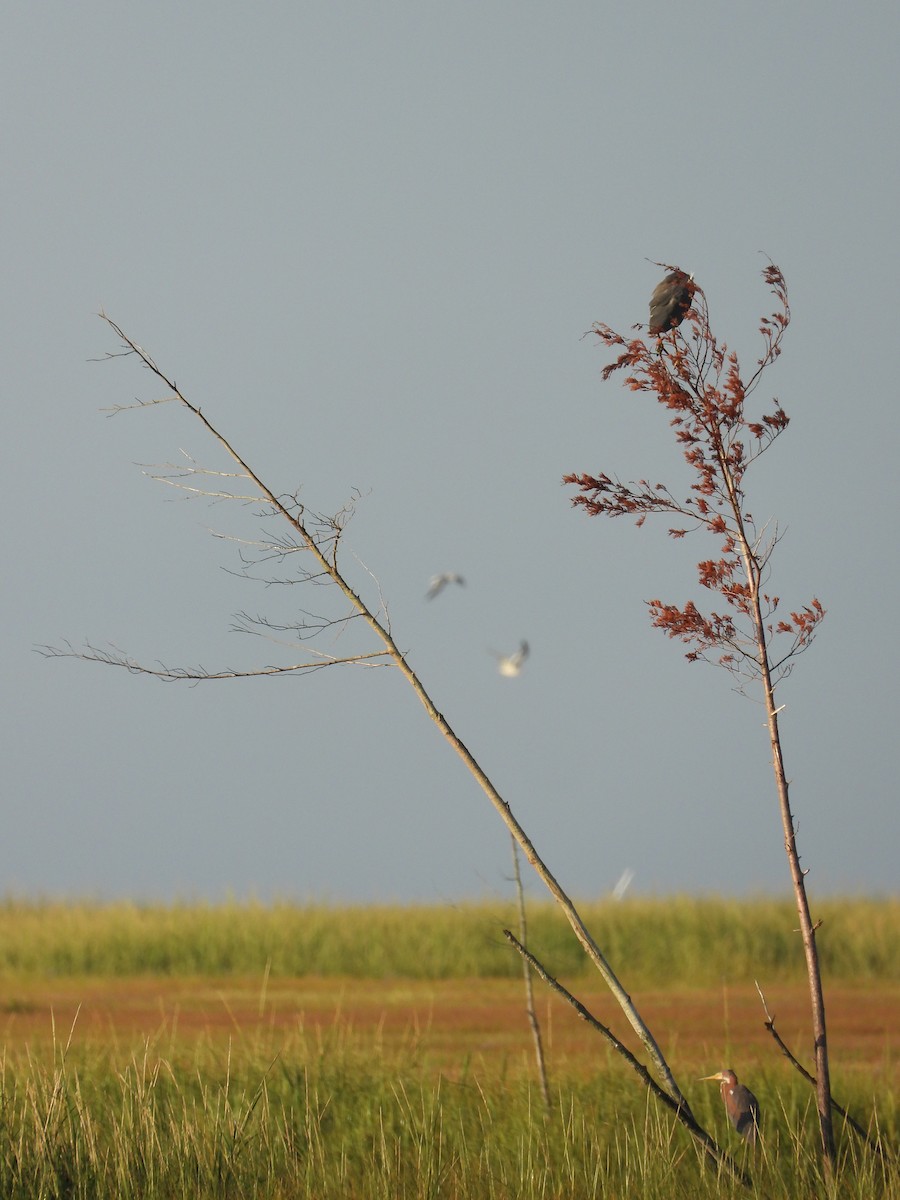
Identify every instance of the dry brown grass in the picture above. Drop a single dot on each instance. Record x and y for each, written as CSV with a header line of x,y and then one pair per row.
x,y
453,1022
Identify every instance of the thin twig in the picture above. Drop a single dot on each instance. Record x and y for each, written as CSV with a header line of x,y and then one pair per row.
x,y
875,1144
115,658
529,987
681,1111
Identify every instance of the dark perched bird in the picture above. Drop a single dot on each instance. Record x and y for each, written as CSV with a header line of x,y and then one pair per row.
x,y
670,301
741,1105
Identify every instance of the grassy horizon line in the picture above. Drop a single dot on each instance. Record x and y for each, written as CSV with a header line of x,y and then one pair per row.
x,y
678,939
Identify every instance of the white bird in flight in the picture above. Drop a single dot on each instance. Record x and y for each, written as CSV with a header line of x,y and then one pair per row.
x,y
510,665
618,892
439,582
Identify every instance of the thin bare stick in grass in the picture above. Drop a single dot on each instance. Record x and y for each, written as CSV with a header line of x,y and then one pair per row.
x,y
699,383
681,1111
529,987
321,543
876,1144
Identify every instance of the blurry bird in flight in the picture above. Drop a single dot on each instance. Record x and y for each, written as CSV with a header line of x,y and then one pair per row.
x,y
439,582
671,301
741,1105
510,665
624,883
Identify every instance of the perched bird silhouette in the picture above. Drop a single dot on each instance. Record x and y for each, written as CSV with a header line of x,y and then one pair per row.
x,y
741,1105
439,582
510,665
670,302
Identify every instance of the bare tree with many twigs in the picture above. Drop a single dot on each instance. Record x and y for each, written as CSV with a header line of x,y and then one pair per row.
x,y
313,541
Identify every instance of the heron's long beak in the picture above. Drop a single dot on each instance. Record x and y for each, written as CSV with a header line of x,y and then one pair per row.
x,y
717,1077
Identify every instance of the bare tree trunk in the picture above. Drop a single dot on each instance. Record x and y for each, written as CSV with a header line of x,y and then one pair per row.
x,y
753,572
807,932
529,988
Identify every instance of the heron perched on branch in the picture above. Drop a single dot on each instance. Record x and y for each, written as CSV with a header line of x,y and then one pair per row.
x,y
670,302
741,1105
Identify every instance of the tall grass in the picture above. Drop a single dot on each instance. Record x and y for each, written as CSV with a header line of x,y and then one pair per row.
x,y
331,1116
678,940
282,1110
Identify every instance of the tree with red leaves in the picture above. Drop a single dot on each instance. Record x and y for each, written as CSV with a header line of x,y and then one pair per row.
x,y
701,385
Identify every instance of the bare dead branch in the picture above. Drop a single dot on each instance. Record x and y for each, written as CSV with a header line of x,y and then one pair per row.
x,y
681,1109
119,408
530,1010
875,1144
322,544
304,630
116,658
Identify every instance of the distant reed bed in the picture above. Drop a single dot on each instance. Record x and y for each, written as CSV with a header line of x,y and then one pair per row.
x,y
676,940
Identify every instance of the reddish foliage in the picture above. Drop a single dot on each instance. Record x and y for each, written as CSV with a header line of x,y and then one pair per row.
x,y
699,382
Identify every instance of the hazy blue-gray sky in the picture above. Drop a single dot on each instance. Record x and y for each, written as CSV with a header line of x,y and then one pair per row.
x,y
367,238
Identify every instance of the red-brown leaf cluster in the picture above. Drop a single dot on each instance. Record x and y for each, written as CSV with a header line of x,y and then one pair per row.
x,y
699,382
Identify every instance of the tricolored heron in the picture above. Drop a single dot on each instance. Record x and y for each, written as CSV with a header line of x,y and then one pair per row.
x,y
670,301
741,1105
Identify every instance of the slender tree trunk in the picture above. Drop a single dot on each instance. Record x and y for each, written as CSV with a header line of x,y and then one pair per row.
x,y
700,385
807,928
807,931
529,987
752,570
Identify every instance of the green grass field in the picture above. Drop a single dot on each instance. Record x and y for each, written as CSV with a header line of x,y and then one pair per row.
x,y
678,940
256,1097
